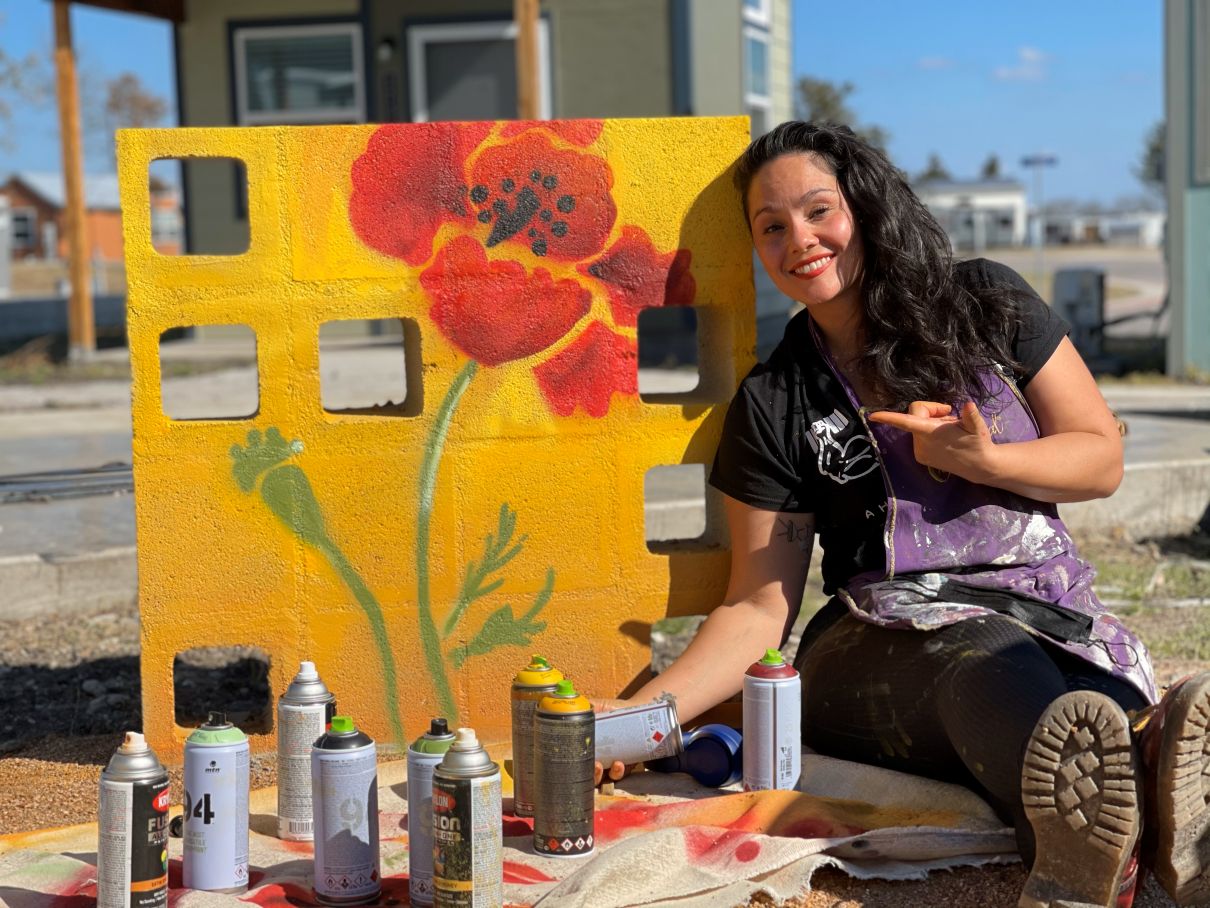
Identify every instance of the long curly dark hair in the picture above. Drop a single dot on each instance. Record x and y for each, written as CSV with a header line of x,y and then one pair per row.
x,y
925,337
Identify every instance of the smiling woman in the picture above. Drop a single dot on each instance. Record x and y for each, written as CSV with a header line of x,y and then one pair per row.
x,y
924,417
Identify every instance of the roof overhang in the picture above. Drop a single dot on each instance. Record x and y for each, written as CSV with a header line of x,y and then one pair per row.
x,y
172,10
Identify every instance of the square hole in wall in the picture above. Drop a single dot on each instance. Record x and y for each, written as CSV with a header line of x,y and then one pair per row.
x,y
230,679
199,206
668,352
676,509
226,355
371,367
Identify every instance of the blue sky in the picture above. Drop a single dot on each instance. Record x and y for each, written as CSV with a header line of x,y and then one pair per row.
x,y
1079,79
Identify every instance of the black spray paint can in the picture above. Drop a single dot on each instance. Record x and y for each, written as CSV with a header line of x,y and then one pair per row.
x,y
564,753
468,843
132,829
344,800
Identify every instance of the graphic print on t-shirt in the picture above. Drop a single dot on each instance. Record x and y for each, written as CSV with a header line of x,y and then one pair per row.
x,y
840,462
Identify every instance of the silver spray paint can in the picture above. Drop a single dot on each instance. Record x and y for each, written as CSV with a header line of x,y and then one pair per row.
x,y
772,724
636,734
468,843
215,853
425,753
132,829
303,714
344,799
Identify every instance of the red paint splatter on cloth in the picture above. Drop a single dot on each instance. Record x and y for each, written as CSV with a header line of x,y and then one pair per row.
x,y
515,872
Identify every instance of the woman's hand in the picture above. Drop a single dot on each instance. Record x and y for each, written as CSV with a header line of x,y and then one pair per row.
x,y
961,444
618,769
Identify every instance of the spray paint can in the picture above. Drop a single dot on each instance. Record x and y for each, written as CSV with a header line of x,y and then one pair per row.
x,y
303,714
713,756
468,845
344,795
772,724
530,685
132,829
636,734
564,752
423,756
215,853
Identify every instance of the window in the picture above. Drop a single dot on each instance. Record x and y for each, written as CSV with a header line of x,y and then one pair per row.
x,y
757,102
25,228
293,74
468,71
757,11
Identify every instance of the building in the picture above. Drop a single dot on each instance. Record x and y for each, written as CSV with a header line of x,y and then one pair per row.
x,y
262,62
1187,166
977,213
37,201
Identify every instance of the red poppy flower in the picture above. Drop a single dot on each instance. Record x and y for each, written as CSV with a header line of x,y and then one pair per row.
x,y
552,201
494,311
408,182
530,186
597,365
638,276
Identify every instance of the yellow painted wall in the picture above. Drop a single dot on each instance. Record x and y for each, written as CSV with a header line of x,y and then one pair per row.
x,y
310,534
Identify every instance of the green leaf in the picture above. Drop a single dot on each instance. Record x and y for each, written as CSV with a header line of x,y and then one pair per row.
x,y
503,628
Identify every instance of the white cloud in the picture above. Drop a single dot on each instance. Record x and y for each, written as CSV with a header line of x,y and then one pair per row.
x,y
934,63
1030,66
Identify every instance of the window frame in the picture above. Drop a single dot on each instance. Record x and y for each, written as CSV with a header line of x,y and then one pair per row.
x,y
420,35
242,32
29,214
752,99
758,16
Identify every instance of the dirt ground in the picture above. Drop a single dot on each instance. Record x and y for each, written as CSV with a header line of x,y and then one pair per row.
x,y
71,685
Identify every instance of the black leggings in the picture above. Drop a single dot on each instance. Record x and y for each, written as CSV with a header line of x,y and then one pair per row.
x,y
957,703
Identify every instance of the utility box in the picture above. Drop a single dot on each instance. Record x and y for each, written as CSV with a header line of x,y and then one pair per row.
x,y
1079,296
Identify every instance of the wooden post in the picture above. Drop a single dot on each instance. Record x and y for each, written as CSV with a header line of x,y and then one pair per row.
x,y
525,14
81,327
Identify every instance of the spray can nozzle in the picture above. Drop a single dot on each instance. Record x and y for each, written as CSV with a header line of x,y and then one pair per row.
x,y
439,728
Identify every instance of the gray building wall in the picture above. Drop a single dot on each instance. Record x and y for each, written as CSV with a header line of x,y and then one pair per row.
x,y
1187,103
716,58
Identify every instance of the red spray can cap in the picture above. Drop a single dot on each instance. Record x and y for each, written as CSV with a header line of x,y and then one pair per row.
x,y
772,665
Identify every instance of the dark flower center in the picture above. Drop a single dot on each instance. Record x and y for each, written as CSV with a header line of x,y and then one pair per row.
x,y
511,211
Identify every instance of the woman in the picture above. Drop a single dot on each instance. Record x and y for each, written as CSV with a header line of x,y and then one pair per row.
x,y
923,418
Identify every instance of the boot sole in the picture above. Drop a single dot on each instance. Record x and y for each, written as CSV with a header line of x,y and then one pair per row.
x,y
1183,795
1079,786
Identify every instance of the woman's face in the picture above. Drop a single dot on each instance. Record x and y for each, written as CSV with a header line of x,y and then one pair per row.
x,y
804,233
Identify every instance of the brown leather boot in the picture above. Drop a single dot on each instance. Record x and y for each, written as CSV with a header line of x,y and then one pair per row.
x,y
1080,786
1175,745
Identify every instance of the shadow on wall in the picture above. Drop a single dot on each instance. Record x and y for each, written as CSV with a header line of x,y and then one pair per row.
x,y
693,564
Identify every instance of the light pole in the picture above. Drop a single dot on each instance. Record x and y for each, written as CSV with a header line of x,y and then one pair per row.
x,y
1037,162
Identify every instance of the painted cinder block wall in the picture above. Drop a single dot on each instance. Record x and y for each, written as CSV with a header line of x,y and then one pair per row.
x,y
419,552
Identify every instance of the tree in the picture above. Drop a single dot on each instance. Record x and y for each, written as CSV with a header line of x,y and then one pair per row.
x,y
991,168
821,101
21,80
934,170
1150,168
127,104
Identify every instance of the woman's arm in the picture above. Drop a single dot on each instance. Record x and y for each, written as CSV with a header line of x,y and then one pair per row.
x,y
770,553
1078,457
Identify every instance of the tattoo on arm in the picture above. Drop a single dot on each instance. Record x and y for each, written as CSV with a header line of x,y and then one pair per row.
x,y
799,532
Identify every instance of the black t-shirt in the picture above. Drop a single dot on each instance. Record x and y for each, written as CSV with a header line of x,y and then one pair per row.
x,y
792,440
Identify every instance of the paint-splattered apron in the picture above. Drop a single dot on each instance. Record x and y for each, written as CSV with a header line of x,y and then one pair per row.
x,y
957,549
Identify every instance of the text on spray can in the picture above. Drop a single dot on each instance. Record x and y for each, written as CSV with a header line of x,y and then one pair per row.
x,y
530,685
303,714
468,846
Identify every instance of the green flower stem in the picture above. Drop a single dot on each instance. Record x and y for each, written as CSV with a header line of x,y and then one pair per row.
x,y
373,610
428,484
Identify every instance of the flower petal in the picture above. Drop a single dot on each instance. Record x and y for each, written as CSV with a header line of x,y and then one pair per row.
x,y
408,182
574,132
494,311
598,364
638,276
553,201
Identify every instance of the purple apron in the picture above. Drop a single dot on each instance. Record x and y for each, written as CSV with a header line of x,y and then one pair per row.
x,y
949,541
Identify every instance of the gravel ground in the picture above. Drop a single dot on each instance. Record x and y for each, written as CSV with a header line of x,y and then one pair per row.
x,y
71,685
